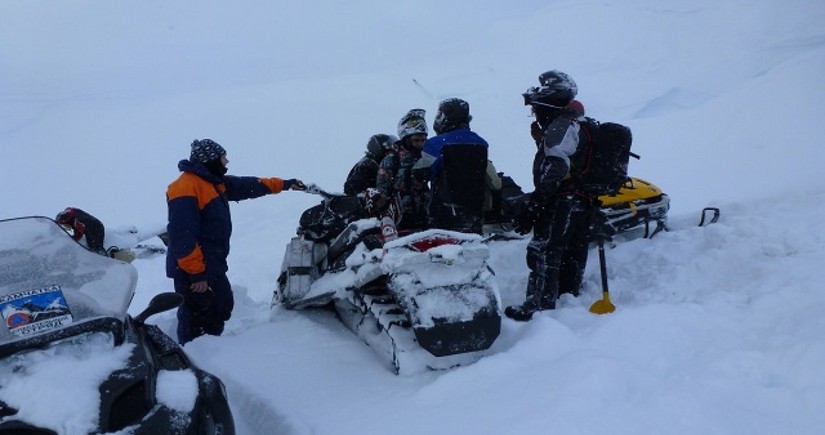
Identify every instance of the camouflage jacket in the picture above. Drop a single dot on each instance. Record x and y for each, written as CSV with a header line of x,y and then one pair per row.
x,y
395,176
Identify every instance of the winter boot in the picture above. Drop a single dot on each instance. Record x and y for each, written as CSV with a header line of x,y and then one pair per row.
x,y
524,312
520,313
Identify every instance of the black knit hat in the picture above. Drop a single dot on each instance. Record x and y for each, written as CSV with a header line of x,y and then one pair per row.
x,y
206,150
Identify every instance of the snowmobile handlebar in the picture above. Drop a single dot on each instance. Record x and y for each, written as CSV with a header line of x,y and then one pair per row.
x,y
313,188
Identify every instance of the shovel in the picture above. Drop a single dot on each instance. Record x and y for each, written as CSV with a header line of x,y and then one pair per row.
x,y
604,305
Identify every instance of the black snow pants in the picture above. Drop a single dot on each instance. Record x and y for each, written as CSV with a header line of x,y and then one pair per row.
x,y
204,313
557,254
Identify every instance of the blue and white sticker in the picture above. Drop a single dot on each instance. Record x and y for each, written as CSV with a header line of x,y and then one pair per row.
x,y
33,311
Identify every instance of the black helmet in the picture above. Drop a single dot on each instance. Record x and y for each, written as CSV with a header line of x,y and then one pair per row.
x,y
378,144
557,90
453,113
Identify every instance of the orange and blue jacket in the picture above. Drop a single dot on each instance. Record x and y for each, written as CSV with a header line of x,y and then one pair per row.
x,y
199,220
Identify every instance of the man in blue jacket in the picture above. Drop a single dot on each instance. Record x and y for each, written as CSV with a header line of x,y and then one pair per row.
x,y
199,229
455,162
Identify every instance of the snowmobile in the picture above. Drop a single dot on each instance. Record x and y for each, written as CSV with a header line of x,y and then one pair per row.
x,y
422,300
638,205
639,208
60,299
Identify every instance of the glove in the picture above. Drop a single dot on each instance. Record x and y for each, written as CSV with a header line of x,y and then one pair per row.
x,y
523,224
524,221
294,184
124,255
536,132
374,202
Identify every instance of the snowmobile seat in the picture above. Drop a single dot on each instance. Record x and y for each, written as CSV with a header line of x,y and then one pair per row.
x,y
349,238
324,221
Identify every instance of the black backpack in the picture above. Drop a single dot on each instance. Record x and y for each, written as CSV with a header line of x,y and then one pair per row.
x,y
463,170
604,171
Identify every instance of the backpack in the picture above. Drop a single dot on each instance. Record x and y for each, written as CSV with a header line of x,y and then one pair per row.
x,y
458,190
463,170
605,169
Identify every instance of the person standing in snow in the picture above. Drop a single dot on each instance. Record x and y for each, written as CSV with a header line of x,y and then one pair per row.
x,y
556,211
395,174
455,161
199,229
363,175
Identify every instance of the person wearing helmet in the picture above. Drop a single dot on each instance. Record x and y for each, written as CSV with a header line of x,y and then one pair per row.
x,y
455,161
90,232
363,175
84,228
557,214
395,173
199,229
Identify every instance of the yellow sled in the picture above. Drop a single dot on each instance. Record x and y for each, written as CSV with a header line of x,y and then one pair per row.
x,y
638,204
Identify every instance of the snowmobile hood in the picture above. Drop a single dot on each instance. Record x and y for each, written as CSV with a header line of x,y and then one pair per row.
x,y
633,190
52,287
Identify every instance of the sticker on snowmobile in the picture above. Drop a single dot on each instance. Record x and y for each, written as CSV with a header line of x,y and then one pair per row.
x,y
33,311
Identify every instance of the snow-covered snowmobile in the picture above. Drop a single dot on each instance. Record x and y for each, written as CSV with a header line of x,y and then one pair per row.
x,y
425,299
60,301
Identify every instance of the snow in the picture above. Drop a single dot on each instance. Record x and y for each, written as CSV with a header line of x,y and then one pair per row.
x,y
177,390
35,383
716,330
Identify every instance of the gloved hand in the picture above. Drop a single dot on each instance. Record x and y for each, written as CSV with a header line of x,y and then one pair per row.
x,y
294,184
536,132
523,222
374,202
124,255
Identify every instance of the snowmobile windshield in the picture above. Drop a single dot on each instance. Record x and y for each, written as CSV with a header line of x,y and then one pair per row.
x,y
51,287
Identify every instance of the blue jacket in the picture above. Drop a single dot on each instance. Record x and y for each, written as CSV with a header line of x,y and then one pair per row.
x,y
431,155
200,223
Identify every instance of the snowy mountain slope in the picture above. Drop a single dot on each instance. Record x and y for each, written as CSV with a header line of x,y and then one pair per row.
x,y
716,329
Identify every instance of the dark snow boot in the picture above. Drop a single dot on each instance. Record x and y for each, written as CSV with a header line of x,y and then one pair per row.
x,y
524,312
536,301
520,313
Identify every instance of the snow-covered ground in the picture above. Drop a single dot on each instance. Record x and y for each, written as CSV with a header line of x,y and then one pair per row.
x,y
717,329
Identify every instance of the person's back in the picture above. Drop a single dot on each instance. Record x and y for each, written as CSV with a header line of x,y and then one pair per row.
x,y
457,163
363,175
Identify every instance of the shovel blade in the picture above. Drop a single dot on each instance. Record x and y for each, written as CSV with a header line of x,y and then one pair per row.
x,y
603,306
